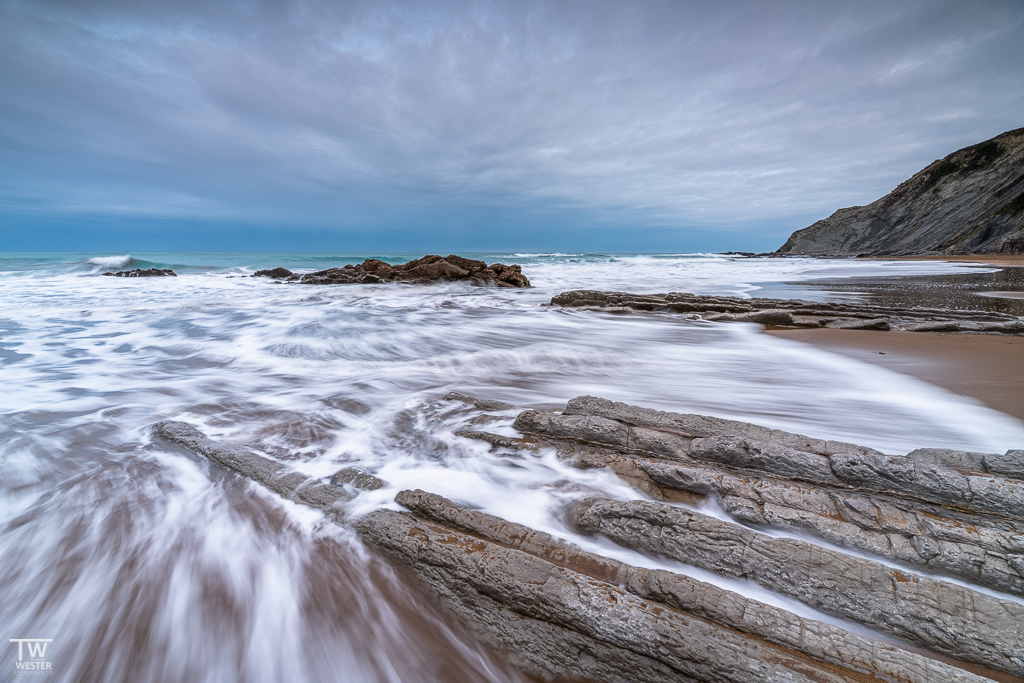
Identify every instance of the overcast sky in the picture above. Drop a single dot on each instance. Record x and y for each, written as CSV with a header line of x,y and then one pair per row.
x,y
599,126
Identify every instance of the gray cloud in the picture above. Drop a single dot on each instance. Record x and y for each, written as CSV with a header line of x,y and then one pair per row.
x,y
671,115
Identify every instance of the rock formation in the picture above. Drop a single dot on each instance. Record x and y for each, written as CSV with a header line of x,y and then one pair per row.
x,y
428,269
971,201
796,312
558,611
277,477
139,272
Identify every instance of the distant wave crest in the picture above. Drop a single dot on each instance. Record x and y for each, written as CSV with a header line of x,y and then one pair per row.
x,y
111,261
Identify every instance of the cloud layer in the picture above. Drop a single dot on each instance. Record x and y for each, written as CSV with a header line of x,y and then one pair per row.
x,y
696,125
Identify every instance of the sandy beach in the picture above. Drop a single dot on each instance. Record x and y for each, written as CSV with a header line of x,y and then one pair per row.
x,y
988,368
995,259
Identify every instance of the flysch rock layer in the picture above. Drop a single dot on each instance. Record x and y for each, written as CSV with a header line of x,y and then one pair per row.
x,y
819,641
643,641
431,268
1010,464
904,508
896,507
556,610
795,312
945,617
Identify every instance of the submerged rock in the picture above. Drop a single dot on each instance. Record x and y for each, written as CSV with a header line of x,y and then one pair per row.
x,y
279,273
276,476
138,272
358,479
428,269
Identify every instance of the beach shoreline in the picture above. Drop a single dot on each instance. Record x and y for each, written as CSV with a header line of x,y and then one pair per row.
x,y
994,259
984,367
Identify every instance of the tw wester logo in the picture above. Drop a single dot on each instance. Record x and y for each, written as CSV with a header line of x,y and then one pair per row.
x,y
35,663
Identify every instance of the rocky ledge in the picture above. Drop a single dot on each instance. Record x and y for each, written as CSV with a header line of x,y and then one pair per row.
x,y
796,312
877,534
424,270
139,272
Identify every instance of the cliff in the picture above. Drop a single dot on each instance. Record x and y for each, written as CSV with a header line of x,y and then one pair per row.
x,y
971,201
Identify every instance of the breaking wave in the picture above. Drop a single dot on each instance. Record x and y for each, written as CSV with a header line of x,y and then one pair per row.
x,y
112,261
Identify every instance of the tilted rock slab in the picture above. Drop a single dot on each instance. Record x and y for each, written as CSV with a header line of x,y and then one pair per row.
x,y
903,508
276,476
793,456
642,641
945,617
815,639
795,312
989,552
1010,464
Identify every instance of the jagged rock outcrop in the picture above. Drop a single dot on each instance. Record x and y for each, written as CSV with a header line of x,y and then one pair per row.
x,y
424,270
139,272
971,201
796,312
558,611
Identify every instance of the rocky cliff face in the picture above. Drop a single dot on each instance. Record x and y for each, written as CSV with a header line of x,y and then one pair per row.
x,y
972,201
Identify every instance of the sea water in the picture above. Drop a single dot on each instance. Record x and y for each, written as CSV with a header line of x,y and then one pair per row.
x,y
143,563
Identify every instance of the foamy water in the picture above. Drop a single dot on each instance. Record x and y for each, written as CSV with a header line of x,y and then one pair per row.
x,y
142,563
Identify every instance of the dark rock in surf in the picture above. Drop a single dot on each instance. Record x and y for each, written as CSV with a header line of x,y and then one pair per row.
x,y
357,479
425,270
279,273
482,404
139,272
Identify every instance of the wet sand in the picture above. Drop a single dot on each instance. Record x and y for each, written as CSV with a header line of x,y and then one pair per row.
x,y
995,259
989,368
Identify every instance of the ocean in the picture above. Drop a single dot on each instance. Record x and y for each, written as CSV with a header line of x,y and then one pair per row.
x,y
143,563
